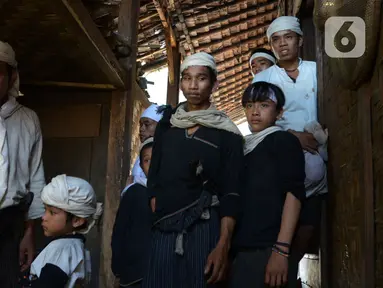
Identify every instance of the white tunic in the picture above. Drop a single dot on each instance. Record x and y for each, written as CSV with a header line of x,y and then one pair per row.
x,y
301,97
69,255
300,109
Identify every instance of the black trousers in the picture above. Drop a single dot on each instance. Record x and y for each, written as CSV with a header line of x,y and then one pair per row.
x,y
249,268
11,233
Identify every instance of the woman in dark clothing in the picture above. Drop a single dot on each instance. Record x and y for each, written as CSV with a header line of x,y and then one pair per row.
x,y
131,232
193,184
273,191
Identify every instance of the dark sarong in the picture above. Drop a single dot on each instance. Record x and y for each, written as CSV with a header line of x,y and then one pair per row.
x,y
167,269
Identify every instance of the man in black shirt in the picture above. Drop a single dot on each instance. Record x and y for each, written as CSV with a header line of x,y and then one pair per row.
x,y
193,182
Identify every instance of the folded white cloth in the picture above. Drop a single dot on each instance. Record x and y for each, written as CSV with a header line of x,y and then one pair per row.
x,y
284,23
254,139
199,59
152,113
75,196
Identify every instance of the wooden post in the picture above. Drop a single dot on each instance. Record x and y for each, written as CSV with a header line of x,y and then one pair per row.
x,y
118,163
174,62
367,182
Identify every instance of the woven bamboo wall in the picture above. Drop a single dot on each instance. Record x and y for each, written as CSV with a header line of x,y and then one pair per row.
x,y
347,208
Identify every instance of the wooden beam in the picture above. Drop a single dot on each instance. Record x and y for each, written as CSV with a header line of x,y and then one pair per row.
x,y
165,22
174,63
90,39
120,128
71,85
148,17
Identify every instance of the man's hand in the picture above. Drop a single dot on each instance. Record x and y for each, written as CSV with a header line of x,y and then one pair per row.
x,y
216,264
276,270
27,247
153,204
307,141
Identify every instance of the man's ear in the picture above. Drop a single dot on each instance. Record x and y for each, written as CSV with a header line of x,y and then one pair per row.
x,y
215,87
300,41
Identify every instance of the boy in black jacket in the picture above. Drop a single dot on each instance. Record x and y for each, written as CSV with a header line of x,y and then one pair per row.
x,y
131,232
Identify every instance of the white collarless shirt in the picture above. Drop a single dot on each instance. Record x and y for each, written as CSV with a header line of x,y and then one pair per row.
x,y
301,97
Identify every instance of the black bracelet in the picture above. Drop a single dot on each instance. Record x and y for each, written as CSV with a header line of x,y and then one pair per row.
x,y
287,245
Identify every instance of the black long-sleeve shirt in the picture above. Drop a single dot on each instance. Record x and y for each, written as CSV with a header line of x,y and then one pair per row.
x,y
131,235
172,177
274,168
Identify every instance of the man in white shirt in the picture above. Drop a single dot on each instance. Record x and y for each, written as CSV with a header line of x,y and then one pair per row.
x,y
298,80
21,163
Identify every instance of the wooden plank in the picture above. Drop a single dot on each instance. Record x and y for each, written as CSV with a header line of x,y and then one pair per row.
x,y
119,145
71,85
114,180
324,253
367,184
90,38
174,63
70,121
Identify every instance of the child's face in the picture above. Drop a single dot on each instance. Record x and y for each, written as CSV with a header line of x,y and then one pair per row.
x,y
54,222
259,64
146,157
261,115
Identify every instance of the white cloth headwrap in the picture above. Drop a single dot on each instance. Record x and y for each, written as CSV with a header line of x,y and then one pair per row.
x,y
284,23
258,55
211,118
7,55
199,59
139,179
252,140
75,196
152,113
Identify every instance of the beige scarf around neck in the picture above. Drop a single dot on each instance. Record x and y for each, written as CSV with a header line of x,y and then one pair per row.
x,y
254,139
211,118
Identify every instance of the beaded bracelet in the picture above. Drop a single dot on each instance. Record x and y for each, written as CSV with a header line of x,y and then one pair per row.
x,y
280,251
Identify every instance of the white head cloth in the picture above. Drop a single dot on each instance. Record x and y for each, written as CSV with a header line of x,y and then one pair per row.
x,y
139,177
152,113
199,59
75,196
263,55
284,23
7,55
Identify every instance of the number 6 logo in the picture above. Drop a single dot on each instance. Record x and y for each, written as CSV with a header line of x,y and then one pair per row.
x,y
345,37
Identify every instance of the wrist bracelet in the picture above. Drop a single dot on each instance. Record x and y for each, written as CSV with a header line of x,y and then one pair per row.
x,y
280,252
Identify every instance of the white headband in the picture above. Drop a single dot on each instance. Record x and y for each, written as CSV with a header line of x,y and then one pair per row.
x,y
263,55
199,59
152,113
284,23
